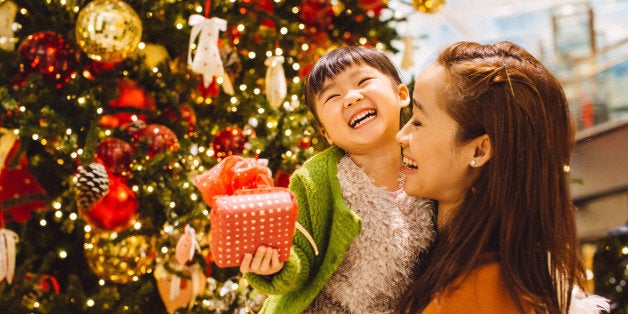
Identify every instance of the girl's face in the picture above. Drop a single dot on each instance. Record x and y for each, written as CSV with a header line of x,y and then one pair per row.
x,y
359,109
435,166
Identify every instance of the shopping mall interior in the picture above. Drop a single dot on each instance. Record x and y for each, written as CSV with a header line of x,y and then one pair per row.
x,y
586,44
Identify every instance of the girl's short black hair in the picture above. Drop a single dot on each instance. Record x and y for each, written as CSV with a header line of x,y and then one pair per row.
x,y
336,61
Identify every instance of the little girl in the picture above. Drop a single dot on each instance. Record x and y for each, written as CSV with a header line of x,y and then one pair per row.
x,y
369,232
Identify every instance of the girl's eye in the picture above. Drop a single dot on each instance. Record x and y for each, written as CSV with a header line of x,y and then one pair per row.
x,y
416,123
331,97
364,80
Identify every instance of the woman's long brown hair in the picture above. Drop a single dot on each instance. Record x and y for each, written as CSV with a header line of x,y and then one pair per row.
x,y
519,210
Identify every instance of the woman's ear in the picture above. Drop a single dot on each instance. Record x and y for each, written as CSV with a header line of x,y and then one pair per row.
x,y
483,151
404,95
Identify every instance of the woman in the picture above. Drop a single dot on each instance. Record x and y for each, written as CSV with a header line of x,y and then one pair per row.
x,y
489,139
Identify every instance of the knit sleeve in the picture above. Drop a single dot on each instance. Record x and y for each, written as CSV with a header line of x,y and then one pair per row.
x,y
296,270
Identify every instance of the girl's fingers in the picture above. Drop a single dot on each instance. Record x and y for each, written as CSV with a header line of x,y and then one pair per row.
x,y
245,266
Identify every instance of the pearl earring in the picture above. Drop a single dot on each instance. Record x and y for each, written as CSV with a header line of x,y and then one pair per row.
x,y
473,163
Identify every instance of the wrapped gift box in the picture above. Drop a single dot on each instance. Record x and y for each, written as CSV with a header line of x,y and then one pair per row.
x,y
240,223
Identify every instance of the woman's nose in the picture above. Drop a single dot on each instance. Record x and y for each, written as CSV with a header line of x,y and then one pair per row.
x,y
352,98
401,136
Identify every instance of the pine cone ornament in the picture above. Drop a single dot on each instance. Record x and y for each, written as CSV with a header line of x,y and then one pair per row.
x,y
91,184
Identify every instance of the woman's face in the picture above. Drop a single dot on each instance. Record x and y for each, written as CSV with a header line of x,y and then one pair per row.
x,y
435,166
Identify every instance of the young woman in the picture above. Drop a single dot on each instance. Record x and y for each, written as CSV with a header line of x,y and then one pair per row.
x,y
490,140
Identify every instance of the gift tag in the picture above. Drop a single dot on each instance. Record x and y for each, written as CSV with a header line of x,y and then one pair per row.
x,y
186,246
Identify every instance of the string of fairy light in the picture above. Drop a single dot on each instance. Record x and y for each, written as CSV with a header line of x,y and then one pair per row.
x,y
191,160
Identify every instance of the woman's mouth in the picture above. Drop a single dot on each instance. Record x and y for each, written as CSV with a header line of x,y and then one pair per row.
x,y
407,162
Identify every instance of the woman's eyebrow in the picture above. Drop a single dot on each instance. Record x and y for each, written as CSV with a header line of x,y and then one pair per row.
x,y
418,105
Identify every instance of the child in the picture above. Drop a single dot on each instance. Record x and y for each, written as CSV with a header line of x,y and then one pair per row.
x,y
368,231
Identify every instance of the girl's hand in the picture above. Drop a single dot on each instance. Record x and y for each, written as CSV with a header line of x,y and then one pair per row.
x,y
265,262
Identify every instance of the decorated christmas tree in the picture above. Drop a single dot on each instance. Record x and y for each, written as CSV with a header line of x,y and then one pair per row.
x,y
109,108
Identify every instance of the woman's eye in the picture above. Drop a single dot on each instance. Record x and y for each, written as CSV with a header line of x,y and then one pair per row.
x,y
416,123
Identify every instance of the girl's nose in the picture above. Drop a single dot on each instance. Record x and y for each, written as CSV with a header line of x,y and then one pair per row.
x,y
353,98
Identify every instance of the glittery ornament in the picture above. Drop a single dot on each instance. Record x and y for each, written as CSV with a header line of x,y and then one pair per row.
x,y
115,211
428,6
108,30
275,81
49,54
160,138
119,259
115,154
317,13
229,141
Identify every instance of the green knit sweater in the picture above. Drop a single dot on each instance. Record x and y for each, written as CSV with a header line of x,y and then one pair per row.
x,y
331,223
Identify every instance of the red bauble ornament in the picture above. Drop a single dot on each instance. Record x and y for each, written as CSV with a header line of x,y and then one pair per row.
x,y
115,154
282,179
49,54
159,138
317,13
133,95
130,95
375,6
116,210
186,116
306,142
229,141
96,68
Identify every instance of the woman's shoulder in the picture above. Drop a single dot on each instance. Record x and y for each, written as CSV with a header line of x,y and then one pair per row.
x,y
481,291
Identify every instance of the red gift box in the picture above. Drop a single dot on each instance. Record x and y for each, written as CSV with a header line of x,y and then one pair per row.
x,y
241,222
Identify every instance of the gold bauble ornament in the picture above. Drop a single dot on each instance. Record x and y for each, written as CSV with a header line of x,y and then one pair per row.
x,y
116,258
428,6
108,30
154,54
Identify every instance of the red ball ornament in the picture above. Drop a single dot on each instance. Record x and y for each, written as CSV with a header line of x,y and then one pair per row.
x,y
116,155
186,117
317,13
306,142
133,95
159,138
49,54
115,211
229,141
375,6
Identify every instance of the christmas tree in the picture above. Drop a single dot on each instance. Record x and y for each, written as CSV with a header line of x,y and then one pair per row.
x,y
109,108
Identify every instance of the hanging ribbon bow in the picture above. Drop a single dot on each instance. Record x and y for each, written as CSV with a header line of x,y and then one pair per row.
x,y
206,59
276,88
8,238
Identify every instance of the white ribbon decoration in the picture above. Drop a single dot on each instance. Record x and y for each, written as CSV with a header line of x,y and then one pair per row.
x,y
206,60
8,238
196,287
276,88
